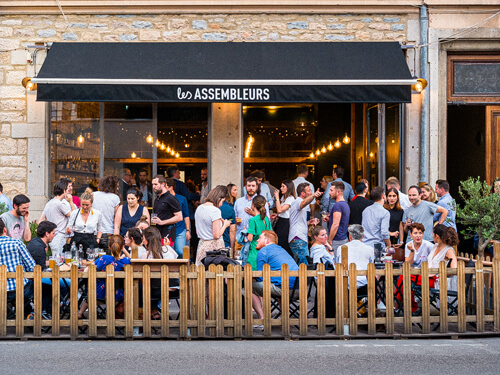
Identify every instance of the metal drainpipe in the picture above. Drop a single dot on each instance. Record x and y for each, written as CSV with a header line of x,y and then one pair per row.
x,y
424,119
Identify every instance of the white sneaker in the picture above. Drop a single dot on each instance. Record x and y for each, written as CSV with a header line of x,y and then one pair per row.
x,y
381,306
258,327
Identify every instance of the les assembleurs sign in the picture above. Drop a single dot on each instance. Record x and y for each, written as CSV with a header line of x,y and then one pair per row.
x,y
216,94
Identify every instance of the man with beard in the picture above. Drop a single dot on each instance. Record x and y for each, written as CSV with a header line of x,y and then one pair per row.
x,y
146,189
242,205
166,209
17,220
204,185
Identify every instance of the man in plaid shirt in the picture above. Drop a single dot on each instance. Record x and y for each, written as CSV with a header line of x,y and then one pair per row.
x,y
14,253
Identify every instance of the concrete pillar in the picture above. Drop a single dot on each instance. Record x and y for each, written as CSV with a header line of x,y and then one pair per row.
x,y
225,145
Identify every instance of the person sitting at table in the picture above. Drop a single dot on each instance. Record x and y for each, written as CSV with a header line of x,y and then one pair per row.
x,y
143,223
275,256
132,238
358,253
321,251
115,244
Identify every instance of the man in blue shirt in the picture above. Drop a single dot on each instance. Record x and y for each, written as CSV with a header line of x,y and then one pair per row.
x,y
326,202
5,199
447,202
242,205
275,256
183,227
264,188
376,220
13,253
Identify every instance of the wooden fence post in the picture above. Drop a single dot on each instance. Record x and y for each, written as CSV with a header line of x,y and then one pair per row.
x,y
238,312
320,299
74,302
202,304
3,300
19,301
479,296
426,323
303,299
37,281
496,293
353,300
165,307
372,303
92,285
184,302
462,323
285,302
266,298
110,300
146,301
345,290
219,301
248,300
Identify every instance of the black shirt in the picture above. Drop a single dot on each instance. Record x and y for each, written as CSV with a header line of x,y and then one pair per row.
x,y
395,219
165,206
357,206
37,247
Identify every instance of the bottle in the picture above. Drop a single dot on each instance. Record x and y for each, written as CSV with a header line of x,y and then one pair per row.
x,y
73,251
81,254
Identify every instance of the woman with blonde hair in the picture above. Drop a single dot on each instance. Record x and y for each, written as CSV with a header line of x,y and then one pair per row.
x,y
428,193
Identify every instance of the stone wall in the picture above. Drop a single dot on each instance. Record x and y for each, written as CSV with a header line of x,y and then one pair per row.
x,y
22,119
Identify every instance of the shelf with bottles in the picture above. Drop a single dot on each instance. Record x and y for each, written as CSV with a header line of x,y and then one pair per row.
x,y
76,165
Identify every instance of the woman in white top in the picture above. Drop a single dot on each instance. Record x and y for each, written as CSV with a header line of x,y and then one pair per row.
x,y
417,250
209,223
85,223
321,250
282,227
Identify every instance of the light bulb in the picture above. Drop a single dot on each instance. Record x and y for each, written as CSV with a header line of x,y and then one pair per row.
x,y
372,154
311,155
134,155
80,139
376,140
330,146
323,149
346,139
149,139
177,155
157,143
162,146
337,144
318,152
168,149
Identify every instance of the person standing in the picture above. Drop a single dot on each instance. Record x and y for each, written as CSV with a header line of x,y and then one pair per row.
x,y
376,220
227,213
302,173
17,220
428,193
422,212
282,227
297,237
242,206
339,216
392,204
130,213
209,223
57,211
393,182
107,201
446,201
5,199
337,174
146,189
260,222
358,204
204,185
263,188
166,209
125,183
183,227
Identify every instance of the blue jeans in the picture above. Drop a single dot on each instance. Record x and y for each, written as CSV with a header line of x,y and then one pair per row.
x,y
180,242
300,249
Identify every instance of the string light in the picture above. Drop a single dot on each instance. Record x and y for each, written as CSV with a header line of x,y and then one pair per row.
x,y
134,155
372,154
330,146
162,146
346,139
149,139
337,144
168,149
80,139
311,155
250,142
177,155
318,152
323,149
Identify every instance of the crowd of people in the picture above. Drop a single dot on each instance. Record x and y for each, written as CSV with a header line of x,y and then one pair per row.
x,y
292,224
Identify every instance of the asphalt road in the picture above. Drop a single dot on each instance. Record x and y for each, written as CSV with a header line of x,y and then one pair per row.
x,y
478,356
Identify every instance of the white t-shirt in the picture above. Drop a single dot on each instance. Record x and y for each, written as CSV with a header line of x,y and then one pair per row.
x,y
106,203
289,201
55,211
204,216
421,254
298,221
167,253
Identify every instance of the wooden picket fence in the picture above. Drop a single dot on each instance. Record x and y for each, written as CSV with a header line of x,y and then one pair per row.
x,y
217,303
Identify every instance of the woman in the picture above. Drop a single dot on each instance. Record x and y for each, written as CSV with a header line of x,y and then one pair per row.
x,y
132,238
107,202
232,194
151,239
428,193
115,247
324,182
85,223
282,226
391,204
209,223
321,250
129,214
444,240
256,225
142,224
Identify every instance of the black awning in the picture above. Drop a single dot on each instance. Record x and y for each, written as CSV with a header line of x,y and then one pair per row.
x,y
350,72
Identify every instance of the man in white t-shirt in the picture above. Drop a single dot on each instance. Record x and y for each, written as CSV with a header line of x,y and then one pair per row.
x,y
107,202
297,236
57,211
302,173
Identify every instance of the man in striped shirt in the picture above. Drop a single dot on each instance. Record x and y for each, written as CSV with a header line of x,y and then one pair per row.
x,y
12,254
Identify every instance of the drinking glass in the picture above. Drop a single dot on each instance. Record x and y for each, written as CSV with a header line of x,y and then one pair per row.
x,y
67,257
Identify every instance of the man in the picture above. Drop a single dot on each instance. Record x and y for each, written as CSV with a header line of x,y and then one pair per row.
x,y
446,201
242,206
422,212
146,188
297,237
125,184
204,185
5,199
339,216
57,211
183,227
302,173
393,182
376,220
358,253
17,220
37,247
12,254
166,209
337,174
275,256
359,203
264,188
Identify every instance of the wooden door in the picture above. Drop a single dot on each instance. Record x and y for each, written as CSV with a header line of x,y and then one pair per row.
x,y
492,143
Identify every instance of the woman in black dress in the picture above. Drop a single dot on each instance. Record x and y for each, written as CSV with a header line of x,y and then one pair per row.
x,y
395,222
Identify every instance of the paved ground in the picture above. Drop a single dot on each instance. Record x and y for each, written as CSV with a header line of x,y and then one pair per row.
x,y
455,357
